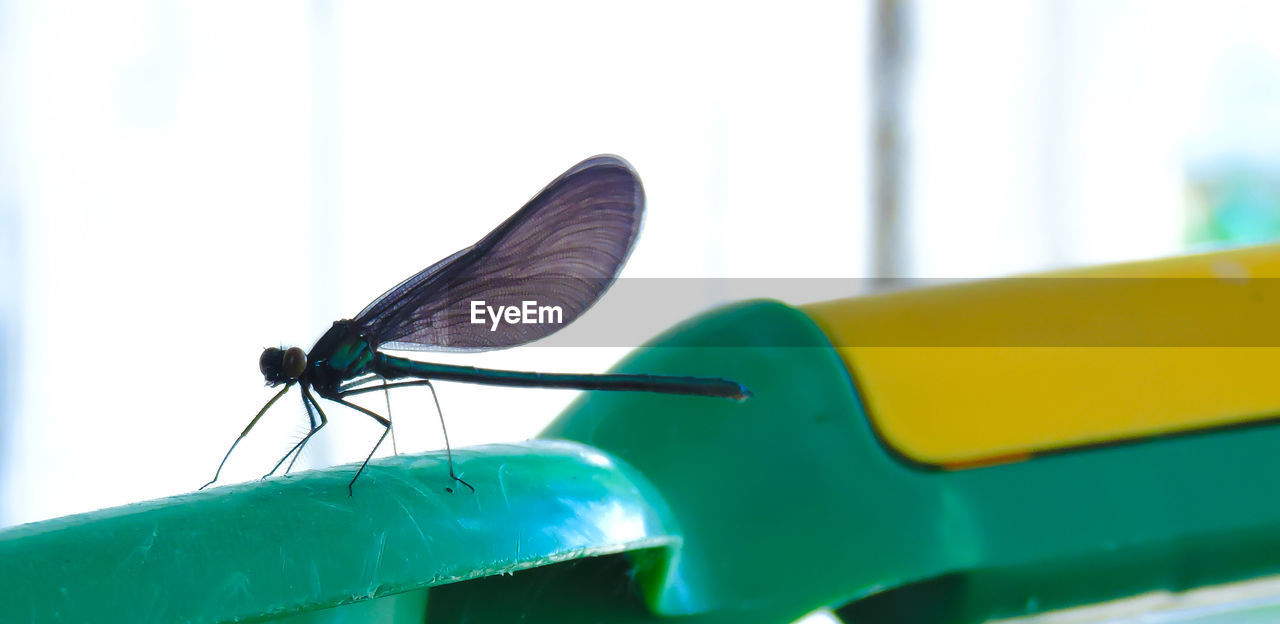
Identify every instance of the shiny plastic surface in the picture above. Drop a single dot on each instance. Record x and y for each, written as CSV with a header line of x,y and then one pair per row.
x,y
300,544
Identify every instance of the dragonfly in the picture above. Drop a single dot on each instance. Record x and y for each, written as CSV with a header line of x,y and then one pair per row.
x,y
559,253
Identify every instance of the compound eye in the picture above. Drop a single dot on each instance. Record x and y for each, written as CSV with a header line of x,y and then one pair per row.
x,y
295,362
269,363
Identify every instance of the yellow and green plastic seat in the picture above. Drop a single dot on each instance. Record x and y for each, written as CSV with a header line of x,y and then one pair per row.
x,y
967,452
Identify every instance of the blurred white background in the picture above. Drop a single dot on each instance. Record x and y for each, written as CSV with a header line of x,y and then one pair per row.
x,y
183,184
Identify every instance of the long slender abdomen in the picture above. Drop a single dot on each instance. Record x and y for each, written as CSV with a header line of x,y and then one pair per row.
x,y
393,367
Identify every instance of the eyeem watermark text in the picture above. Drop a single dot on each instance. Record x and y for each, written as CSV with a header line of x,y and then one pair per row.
x,y
528,312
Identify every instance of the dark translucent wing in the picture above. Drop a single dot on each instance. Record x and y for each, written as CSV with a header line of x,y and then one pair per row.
x,y
562,250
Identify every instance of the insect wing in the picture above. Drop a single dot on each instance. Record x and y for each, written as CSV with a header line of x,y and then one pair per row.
x,y
559,253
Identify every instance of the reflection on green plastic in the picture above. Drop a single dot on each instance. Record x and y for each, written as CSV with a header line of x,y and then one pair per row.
x,y
648,508
299,544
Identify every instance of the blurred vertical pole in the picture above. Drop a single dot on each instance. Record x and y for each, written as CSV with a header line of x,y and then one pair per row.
x,y
888,75
326,188
1054,142
10,255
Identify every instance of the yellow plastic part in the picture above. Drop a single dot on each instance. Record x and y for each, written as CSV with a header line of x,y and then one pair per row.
x,y
991,371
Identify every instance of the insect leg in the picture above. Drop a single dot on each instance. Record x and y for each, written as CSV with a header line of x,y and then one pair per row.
x,y
386,424
306,396
395,384
362,380
310,417
358,387
422,382
245,433
447,450
308,402
386,393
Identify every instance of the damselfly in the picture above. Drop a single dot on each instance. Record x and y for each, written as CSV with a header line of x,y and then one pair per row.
x,y
559,252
